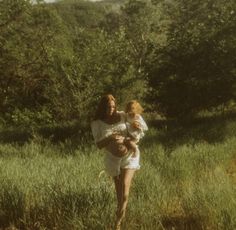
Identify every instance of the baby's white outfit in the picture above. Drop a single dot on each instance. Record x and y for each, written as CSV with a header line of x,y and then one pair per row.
x,y
114,164
137,134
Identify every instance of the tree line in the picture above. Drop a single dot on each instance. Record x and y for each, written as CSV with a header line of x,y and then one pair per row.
x,y
176,56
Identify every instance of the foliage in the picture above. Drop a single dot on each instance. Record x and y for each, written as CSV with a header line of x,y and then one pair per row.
x,y
177,57
194,70
32,51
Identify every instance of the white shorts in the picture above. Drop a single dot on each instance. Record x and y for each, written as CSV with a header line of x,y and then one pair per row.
x,y
114,164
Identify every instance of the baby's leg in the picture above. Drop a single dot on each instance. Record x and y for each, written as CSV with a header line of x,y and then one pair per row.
x,y
132,147
122,150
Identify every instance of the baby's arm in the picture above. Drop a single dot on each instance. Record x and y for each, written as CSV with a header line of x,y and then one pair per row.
x,y
141,124
137,127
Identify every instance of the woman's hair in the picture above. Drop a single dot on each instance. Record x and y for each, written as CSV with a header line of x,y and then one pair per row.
x,y
102,106
134,106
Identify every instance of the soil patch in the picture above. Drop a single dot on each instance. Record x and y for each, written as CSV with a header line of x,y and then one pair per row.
x,y
182,223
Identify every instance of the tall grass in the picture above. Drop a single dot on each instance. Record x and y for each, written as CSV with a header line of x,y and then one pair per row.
x,y
182,184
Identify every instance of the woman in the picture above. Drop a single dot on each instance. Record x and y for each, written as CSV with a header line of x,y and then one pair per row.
x,y
108,130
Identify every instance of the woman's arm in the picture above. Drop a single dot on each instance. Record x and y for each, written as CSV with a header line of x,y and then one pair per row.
x,y
115,137
104,142
99,138
97,135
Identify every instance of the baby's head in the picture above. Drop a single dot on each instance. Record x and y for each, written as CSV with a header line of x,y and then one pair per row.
x,y
133,107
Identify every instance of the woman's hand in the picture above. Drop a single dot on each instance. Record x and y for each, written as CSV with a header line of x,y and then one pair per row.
x,y
116,146
113,138
117,137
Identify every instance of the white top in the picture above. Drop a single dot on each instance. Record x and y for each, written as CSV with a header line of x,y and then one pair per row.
x,y
101,129
136,133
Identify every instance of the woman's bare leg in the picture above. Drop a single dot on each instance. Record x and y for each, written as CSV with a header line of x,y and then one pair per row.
x,y
126,177
118,188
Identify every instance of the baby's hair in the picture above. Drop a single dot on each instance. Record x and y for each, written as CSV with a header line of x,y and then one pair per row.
x,y
134,106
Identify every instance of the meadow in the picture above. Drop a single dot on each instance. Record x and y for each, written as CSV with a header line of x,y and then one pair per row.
x,y
187,181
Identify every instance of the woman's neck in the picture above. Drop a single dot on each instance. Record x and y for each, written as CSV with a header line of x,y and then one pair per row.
x,y
112,119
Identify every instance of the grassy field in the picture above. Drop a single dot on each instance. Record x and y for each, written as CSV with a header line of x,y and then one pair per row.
x,y
186,181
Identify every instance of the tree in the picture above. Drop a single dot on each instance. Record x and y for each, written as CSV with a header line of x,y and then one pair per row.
x,y
194,70
32,46
106,66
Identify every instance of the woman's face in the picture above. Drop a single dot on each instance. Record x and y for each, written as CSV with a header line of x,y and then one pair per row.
x,y
111,106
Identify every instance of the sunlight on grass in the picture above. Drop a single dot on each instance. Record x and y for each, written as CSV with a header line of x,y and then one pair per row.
x,y
58,186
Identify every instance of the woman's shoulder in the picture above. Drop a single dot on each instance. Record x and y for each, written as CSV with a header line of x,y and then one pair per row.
x,y
95,123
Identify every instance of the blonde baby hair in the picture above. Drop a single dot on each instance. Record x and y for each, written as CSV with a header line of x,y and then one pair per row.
x,y
134,106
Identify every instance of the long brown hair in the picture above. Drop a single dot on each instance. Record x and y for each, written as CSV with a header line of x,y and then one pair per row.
x,y
102,106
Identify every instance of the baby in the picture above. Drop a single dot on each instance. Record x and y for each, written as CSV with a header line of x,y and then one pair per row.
x,y
135,128
135,124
